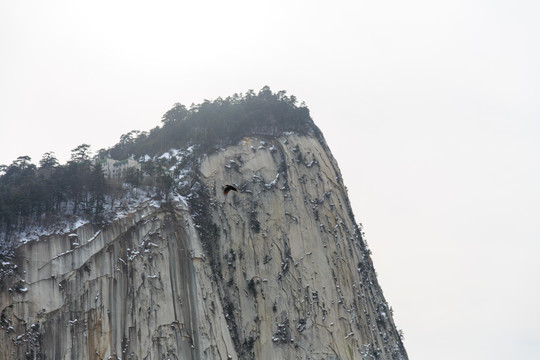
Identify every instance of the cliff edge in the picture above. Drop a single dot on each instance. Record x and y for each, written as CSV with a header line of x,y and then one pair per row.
x,y
277,270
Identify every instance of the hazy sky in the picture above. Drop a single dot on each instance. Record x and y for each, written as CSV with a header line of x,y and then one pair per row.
x,y
432,109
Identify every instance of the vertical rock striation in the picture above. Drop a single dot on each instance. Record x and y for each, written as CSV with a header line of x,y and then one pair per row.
x,y
277,270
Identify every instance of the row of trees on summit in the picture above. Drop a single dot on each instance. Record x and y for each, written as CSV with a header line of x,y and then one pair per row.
x,y
46,190
30,191
216,123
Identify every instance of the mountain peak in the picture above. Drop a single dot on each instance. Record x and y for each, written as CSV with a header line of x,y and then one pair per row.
x,y
276,269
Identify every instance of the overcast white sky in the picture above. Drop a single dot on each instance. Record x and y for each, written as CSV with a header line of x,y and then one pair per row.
x,y
432,109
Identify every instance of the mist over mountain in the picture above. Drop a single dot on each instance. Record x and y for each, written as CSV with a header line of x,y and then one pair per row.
x,y
137,253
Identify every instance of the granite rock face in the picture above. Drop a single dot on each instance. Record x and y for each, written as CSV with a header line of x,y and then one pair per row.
x,y
277,270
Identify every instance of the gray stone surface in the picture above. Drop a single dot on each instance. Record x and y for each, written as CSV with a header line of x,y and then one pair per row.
x,y
283,273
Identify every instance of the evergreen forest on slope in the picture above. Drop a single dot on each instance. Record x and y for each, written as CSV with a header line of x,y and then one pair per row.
x,y
42,194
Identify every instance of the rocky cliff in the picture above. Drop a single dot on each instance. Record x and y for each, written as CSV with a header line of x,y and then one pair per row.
x,y
277,270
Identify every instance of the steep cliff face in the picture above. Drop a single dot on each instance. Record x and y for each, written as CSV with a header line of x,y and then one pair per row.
x,y
277,270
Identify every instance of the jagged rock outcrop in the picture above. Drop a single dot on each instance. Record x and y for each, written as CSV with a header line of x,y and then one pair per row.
x,y
277,270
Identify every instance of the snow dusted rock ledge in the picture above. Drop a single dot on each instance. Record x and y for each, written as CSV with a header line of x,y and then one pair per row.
x,y
277,270
128,290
